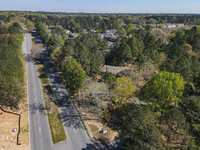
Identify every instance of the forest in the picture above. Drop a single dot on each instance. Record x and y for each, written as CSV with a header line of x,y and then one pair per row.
x,y
11,65
101,22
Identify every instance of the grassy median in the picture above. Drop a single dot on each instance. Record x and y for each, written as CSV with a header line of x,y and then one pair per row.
x,y
55,122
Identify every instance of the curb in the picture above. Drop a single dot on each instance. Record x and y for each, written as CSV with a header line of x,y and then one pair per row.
x,y
84,122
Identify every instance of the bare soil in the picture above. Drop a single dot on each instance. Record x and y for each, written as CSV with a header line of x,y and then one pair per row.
x,y
91,119
8,138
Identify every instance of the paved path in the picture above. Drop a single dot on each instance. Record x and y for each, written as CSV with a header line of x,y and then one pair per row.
x,y
40,137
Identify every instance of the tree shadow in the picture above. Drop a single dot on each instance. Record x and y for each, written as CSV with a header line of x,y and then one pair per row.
x,y
33,108
102,145
29,58
68,114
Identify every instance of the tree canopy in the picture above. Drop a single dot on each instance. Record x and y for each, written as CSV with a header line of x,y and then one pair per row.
x,y
73,76
124,90
11,71
164,89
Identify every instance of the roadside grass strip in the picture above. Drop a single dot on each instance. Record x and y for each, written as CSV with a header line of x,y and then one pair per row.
x,y
55,122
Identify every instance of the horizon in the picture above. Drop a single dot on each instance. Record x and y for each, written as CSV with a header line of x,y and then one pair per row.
x,y
41,11
103,6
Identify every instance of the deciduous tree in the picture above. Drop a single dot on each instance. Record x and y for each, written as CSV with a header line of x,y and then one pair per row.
x,y
73,76
124,90
164,89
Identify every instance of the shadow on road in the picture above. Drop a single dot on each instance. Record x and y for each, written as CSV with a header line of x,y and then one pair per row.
x,y
69,116
100,145
29,58
33,108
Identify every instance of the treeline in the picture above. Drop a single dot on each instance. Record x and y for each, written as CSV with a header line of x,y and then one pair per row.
x,y
100,23
186,19
12,29
77,24
11,67
10,17
179,54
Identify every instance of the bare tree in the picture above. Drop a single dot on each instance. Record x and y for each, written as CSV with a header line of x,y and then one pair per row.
x,y
36,50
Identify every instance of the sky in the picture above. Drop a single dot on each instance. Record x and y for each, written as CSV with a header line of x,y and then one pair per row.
x,y
104,6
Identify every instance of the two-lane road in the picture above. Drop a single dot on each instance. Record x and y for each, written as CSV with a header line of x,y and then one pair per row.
x,y
40,137
77,138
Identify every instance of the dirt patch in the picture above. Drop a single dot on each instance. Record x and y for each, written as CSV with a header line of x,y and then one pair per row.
x,y
8,138
91,119
24,131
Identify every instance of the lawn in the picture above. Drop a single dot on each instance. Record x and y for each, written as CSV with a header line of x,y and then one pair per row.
x,y
56,126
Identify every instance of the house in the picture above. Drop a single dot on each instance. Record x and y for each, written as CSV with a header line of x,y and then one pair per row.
x,y
179,25
111,38
73,35
68,31
113,69
101,35
111,31
168,25
93,31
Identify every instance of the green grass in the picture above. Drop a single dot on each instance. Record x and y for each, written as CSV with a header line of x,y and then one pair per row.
x,y
93,128
56,126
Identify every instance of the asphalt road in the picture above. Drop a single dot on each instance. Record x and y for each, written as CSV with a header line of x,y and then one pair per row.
x,y
77,138
40,137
